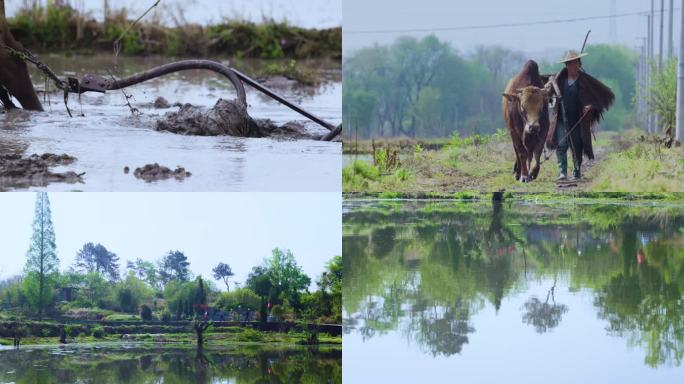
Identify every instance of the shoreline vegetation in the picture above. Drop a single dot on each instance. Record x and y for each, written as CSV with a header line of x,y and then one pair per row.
x,y
63,27
541,197
48,333
628,161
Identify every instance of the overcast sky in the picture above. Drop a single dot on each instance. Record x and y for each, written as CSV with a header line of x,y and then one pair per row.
x,y
240,229
363,15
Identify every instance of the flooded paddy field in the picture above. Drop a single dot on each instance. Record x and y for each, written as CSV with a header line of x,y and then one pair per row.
x,y
105,137
528,292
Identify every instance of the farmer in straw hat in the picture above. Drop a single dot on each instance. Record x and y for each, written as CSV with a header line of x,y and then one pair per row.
x,y
583,101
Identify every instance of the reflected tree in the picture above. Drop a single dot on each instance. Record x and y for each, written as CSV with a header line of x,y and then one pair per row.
x,y
424,270
444,331
544,316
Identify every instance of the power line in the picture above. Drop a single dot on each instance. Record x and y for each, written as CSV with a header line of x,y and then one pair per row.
x,y
493,26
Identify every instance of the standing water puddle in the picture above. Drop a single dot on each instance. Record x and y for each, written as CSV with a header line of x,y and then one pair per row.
x,y
108,138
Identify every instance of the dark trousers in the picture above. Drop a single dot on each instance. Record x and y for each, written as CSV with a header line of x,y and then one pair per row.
x,y
572,141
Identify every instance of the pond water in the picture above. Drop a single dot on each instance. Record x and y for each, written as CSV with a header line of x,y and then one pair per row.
x,y
109,138
169,364
513,293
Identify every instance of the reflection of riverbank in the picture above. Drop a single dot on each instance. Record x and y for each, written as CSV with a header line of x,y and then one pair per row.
x,y
136,363
446,287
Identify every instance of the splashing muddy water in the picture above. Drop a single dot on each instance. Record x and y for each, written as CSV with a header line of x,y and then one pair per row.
x,y
105,137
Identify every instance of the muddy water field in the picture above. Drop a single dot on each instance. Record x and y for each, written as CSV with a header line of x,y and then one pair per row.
x,y
167,138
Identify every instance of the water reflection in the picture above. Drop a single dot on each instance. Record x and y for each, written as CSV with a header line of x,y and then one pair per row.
x,y
155,364
433,274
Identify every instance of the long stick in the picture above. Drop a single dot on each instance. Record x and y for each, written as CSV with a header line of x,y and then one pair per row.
x,y
585,41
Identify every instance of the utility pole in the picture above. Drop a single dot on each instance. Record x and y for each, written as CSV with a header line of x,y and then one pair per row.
x,y
641,82
662,24
649,68
679,136
670,42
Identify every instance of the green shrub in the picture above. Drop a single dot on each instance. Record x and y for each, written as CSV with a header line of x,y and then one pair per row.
x,y
165,315
403,174
71,331
145,312
250,334
366,170
98,332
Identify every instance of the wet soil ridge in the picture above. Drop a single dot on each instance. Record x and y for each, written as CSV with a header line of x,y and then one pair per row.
x,y
228,117
156,172
59,27
35,169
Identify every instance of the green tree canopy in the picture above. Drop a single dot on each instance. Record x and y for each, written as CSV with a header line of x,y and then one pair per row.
x,y
174,266
96,258
223,272
42,254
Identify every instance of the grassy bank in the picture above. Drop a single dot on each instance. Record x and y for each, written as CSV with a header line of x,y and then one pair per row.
x,y
571,197
47,333
625,161
59,28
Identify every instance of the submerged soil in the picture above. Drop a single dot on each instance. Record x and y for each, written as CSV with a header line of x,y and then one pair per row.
x,y
156,172
35,169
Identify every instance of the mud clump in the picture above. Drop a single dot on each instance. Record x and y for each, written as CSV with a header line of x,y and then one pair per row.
x,y
161,103
34,170
227,118
156,172
289,131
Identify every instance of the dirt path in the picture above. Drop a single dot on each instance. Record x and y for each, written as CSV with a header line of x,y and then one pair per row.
x,y
488,167
591,168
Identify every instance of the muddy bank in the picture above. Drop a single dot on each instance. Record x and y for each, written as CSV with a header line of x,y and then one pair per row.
x,y
156,172
66,28
34,171
228,117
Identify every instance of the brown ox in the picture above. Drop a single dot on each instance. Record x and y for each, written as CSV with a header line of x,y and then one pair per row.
x,y
526,114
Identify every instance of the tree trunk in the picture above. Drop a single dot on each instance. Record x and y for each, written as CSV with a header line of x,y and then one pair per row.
x,y
14,75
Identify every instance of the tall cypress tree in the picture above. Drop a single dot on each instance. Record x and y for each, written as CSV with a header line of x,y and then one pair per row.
x,y
42,261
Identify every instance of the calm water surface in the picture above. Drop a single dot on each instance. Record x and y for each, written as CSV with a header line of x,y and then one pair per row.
x,y
108,137
168,364
513,293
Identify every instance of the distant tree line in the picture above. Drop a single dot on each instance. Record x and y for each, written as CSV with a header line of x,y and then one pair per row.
x,y
426,88
164,290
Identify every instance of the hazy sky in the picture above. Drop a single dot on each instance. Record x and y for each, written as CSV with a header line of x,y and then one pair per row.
x,y
240,229
363,15
306,13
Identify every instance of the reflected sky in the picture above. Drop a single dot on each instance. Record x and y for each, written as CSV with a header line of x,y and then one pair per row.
x,y
513,293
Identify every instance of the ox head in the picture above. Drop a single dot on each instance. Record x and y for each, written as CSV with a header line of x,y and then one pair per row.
x,y
530,102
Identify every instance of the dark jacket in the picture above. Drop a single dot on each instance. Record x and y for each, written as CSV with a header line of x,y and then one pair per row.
x,y
591,92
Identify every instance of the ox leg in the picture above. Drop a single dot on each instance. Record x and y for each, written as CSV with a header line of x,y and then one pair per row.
x,y
524,161
535,170
516,167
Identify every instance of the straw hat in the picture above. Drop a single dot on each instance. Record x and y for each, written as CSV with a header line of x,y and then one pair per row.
x,y
572,55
